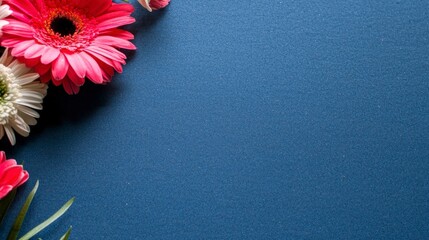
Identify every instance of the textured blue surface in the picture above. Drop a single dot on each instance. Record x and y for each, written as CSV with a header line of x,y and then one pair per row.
x,y
239,120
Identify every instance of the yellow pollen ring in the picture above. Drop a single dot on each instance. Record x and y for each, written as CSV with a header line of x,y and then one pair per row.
x,y
60,13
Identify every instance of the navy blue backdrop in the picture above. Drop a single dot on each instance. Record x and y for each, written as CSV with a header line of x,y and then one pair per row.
x,y
246,120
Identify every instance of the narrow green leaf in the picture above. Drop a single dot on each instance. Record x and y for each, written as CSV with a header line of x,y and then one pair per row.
x,y
14,231
48,221
5,204
67,234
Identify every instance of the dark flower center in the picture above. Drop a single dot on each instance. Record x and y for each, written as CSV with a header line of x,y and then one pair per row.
x,y
3,88
63,26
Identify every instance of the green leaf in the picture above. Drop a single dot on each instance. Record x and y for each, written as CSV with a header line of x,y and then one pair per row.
x,y
48,221
67,234
14,231
5,204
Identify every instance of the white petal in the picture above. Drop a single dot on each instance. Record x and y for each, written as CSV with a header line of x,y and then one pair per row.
x,y
27,78
34,95
20,126
27,111
145,4
29,120
18,68
6,58
10,134
37,106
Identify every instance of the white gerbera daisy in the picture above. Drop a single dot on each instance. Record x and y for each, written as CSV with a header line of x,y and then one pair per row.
x,y
20,94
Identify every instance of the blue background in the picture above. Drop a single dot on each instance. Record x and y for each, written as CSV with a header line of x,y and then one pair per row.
x,y
246,120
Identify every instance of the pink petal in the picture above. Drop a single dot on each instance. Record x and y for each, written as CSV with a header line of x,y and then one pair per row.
x,y
41,69
11,176
18,28
105,60
109,15
97,56
49,55
158,4
76,64
115,22
119,33
11,42
24,6
59,67
107,51
19,49
107,71
21,16
93,70
29,62
126,8
118,67
75,79
94,7
46,77
7,164
24,177
25,34
34,51
4,190
114,41
69,87
56,82
39,4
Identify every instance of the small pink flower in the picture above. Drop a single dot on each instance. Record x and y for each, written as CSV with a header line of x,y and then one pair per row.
x,y
12,175
154,4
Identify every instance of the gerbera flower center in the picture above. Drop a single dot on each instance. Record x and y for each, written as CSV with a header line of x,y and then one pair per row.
x,y
63,26
3,88
9,92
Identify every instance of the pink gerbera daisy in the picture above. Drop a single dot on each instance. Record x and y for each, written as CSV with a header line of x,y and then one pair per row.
x,y
67,41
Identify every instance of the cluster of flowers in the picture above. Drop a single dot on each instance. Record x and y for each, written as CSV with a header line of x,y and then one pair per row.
x,y
65,42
